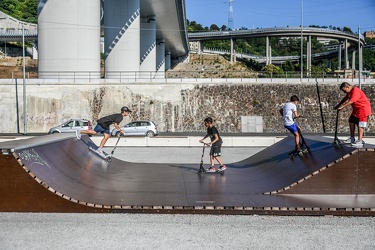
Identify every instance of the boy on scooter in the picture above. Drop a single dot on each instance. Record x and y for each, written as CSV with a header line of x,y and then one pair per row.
x,y
289,113
216,142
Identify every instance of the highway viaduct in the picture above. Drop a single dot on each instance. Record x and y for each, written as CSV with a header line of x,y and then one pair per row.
x,y
347,41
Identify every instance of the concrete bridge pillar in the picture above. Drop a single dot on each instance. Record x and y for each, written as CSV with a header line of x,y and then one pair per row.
x,y
353,59
160,59
346,54
339,56
308,56
268,51
360,58
200,47
68,39
167,61
148,47
122,38
233,57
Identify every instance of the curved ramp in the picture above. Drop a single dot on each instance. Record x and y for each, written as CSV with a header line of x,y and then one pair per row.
x,y
57,173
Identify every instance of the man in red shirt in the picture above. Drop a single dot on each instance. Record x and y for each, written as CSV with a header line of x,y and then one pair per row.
x,y
361,110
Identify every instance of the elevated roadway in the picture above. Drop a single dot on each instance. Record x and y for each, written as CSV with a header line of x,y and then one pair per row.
x,y
348,39
276,32
57,173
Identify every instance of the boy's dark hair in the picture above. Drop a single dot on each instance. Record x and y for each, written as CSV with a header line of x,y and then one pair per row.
x,y
208,119
294,98
344,84
125,109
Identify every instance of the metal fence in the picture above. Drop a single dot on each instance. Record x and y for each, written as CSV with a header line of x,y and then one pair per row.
x,y
186,76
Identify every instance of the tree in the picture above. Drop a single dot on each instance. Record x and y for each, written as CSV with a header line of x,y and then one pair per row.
x,y
288,66
214,27
270,68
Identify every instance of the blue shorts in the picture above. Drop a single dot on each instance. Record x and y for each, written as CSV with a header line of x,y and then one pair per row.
x,y
292,128
100,129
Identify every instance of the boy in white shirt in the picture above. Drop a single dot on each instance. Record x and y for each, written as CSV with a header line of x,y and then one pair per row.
x,y
289,113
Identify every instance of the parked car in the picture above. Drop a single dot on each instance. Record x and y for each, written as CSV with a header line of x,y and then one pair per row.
x,y
71,126
145,128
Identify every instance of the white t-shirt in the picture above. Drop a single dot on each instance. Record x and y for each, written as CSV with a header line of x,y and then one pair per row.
x,y
288,111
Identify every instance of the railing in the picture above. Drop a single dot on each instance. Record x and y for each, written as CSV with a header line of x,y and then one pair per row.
x,y
219,75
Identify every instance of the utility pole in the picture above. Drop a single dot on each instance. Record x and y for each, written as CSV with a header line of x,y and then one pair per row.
x,y
359,58
24,81
301,41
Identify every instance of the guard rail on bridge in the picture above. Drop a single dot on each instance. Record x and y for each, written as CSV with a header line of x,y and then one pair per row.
x,y
273,32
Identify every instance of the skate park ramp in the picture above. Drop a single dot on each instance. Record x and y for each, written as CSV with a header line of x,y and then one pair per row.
x,y
58,173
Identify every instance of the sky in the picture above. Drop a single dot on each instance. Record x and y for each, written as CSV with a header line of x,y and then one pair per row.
x,y
282,13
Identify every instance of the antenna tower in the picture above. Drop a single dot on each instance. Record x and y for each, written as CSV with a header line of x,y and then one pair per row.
x,y
230,15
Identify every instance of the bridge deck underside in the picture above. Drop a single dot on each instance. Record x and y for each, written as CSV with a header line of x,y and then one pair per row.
x,y
62,175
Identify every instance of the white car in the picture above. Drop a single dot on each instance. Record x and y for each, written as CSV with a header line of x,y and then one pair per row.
x,y
145,128
71,126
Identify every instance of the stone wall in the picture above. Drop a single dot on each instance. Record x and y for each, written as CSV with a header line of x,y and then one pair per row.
x,y
175,107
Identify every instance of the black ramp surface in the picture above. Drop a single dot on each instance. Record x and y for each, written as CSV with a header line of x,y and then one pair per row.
x,y
66,166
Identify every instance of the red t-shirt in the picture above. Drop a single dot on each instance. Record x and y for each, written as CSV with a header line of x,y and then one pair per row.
x,y
361,105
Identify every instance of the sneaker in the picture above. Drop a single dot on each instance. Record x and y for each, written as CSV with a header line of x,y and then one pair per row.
x,y
222,168
299,151
78,134
358,143
211,169
100,151
349,140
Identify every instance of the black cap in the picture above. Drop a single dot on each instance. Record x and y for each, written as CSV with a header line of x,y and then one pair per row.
x,y
125,109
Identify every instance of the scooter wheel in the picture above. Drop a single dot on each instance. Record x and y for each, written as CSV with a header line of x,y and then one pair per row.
x,y
109,159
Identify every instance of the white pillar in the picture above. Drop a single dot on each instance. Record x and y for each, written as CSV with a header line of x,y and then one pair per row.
x,y
346,54
68,39
160,59
122,38
167,61
308,56
339,59
267,50
148,47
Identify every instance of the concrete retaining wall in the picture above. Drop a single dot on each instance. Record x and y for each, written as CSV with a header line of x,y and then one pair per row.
x,y
175,107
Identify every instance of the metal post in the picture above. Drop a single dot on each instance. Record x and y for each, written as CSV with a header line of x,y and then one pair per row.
x,y
301,40
320,105
359,58
24,81
17,110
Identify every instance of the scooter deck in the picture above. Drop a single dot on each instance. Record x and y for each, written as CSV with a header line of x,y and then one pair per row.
x,y
295,153
203,171
104,156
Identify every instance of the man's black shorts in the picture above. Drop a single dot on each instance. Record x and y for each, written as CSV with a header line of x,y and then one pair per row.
x,y
215,150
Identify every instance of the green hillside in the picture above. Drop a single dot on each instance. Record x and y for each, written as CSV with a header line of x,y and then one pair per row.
x,y
24,10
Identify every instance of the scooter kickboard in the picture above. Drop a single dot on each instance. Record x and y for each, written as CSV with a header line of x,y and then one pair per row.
x,y
295,153
103,156
213,171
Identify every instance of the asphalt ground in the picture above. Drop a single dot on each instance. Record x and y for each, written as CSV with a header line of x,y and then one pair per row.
x,y
152,231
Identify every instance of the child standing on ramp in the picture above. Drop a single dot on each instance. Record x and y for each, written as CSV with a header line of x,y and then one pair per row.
x,y
216,143
361,110
289,113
